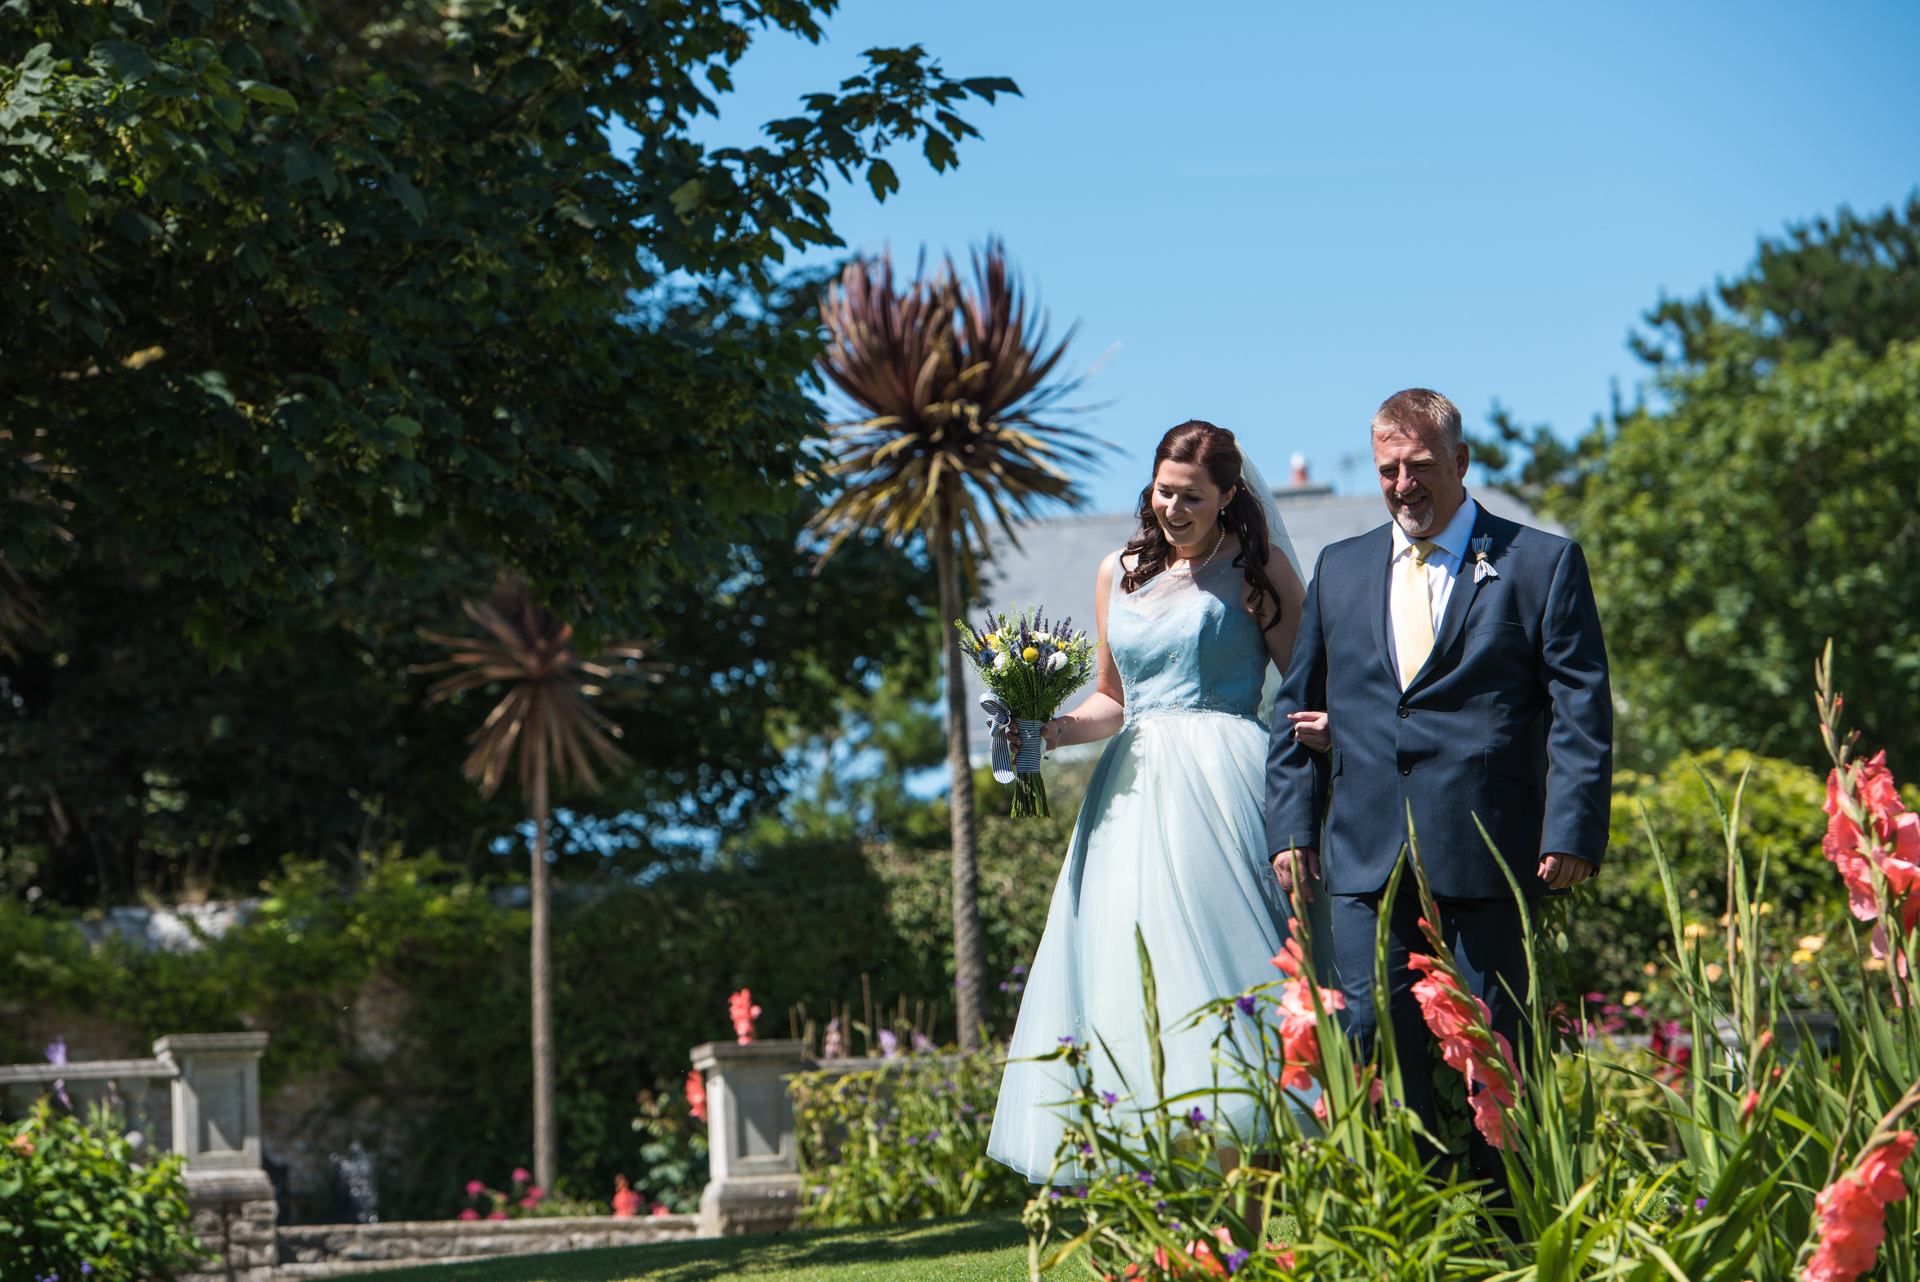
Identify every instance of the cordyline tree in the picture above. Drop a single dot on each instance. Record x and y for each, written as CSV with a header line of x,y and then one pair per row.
x,y
951,380
284,282
545,728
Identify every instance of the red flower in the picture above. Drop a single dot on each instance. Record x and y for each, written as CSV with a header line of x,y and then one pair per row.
x,y
1468,1044
521,1175
743,1012
1880,1169
469,1214
496,1215
1853,1211
1747,1108
1879,794
626,1202
1299,1040
697,1094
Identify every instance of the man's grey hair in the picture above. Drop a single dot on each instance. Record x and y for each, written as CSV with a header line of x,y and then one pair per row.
x,y
1418,409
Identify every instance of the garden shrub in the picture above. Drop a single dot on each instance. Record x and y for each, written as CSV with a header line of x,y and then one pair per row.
x,y
905,1141
1616,924
74,1203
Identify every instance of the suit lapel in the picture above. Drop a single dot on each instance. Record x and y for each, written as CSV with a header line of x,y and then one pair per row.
x,y
1466,586
1379,587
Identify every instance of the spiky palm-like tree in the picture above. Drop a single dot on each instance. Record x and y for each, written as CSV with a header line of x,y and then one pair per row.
x,y
952,380
545,726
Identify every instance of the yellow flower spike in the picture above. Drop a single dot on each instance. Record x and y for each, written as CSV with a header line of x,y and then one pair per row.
x,y
1029,654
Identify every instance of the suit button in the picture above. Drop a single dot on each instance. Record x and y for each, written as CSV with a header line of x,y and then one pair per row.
x,y
1403,714
1406,770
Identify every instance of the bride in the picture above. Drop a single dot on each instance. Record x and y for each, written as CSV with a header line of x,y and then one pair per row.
x,y
1172,835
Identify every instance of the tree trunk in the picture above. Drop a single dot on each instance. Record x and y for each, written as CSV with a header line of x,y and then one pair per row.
x,y
545,1144
969,965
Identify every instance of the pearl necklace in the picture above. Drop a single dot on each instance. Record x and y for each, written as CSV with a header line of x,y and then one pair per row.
x,y
1190,568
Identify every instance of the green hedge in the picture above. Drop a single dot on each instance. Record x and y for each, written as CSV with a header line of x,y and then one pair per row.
x,y
642,974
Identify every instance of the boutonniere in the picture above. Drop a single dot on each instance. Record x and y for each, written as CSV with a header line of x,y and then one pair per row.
x,y
1483,568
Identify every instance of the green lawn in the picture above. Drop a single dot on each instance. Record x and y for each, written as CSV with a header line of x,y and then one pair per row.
x,y
989,1248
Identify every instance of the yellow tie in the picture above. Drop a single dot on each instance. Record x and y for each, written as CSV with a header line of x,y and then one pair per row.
x,y
1413,621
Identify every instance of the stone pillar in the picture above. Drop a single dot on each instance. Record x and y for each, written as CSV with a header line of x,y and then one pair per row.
x,y
755,1160
216,1127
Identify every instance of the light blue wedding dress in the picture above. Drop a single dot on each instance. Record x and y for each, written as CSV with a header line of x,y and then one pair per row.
x,y
1172,838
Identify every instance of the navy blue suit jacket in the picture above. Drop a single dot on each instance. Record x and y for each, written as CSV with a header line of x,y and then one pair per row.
x,y
1511,720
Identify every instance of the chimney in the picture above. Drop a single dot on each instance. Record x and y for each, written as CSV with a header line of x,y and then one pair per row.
x,y
1299,477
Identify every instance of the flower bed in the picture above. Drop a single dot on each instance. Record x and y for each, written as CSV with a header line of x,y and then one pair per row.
x,y
1750,1156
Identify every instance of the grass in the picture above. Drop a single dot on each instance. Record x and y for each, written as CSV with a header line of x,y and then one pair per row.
x,y
989,1248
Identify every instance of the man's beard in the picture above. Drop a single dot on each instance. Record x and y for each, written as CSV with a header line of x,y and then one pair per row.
x,y
1403,517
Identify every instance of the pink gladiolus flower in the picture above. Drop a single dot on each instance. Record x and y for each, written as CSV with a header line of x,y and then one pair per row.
x,y
469,1214
521,1175
1747,1108
475,1188
626,1202
1880,1169
743,1012
697,1094
1853,1211
1299,1042
1463,1024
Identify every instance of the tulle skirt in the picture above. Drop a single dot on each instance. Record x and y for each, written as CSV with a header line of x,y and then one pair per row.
x,y
1171,838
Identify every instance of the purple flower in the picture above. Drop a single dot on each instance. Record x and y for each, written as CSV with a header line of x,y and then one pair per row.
x,y
923,1045
1019,970
1003,985
1161,1206
1087,1149
1067,1040
889,1044
1235,1259
1700,1204
913,1139
1053,1194
1108,1099
1245,1004
1081,1191
1145,1177
1196,1119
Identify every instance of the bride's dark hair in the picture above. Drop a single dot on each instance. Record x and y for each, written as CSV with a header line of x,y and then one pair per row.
x,y
1215,452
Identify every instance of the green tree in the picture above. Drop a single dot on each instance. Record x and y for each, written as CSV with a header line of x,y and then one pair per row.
x,y
1765,499
285,282
131,770
1737,529
949,382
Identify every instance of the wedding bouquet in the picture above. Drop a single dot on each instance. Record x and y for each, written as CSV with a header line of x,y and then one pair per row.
x,y
1029,667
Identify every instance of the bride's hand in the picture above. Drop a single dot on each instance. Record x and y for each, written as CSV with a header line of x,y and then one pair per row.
x,y
1050,735
1310,728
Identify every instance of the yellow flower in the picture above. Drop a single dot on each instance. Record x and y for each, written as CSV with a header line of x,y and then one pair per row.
x,y
1630,999
993,639
1029,654
1766,907
1812,943
1713,971
1651,968
1801,956
1875,963
1697,931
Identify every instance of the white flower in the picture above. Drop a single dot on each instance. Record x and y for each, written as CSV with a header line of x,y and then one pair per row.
x,y
1000,662
1056,661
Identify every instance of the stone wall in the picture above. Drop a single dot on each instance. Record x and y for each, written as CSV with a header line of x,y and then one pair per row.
x,y
337,1250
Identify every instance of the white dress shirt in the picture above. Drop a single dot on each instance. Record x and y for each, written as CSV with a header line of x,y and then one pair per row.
x,y
1449,554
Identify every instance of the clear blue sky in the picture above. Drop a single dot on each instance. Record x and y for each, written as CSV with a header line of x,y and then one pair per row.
x,y
1283,212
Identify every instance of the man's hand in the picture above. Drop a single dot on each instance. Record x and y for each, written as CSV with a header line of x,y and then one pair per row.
x,y
1289,865
1310,728
1561,871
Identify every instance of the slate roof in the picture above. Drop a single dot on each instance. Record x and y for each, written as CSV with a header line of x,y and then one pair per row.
x,y
1056,561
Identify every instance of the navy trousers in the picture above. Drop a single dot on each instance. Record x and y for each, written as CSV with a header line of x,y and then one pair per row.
x,y
1489,946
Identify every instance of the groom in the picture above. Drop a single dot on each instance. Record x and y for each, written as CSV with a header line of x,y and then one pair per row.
x,y
1459,658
